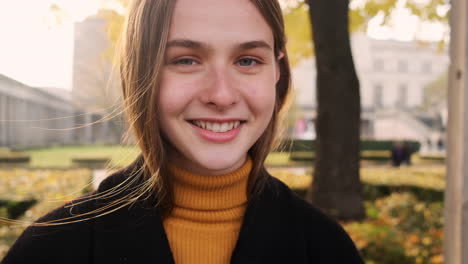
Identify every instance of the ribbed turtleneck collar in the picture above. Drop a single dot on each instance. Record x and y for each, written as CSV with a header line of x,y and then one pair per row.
x,y
202,192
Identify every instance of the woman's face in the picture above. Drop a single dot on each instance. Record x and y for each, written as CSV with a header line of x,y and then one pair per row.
x,y
218,84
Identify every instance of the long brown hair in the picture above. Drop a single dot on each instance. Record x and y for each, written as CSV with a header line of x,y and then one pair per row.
x,y
144,45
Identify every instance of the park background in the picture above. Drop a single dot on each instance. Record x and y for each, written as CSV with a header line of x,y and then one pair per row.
x,y
61,130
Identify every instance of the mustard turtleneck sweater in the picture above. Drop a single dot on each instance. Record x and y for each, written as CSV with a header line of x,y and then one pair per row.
x,y
207,216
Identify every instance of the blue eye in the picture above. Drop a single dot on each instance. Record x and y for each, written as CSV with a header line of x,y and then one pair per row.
x,y
185,61
247,62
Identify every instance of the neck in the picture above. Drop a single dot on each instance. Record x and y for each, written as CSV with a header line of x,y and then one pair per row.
x,y
208,192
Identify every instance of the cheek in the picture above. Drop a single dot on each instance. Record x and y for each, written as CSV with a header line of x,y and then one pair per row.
x,y
176,93
261,97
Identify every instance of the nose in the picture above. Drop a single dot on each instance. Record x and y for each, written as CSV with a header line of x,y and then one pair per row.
x,y
221,90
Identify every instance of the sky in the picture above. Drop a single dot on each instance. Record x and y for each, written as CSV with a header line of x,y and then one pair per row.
x,y
34,48
38,51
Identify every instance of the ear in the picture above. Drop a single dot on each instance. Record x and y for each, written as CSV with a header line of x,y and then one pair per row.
x,y
278,68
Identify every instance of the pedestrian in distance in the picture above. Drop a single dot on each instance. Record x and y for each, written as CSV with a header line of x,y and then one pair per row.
x,y
204,83
407,153
398,154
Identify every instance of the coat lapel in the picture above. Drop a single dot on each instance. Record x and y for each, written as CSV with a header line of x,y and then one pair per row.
x,y
131,235
259,231
270,232
136,234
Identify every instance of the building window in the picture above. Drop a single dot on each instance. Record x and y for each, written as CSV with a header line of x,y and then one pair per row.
x,y
402,95
402,66
427,67
378,65
378,96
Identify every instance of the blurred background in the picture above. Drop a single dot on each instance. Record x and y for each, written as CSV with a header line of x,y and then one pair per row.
x,y
62,130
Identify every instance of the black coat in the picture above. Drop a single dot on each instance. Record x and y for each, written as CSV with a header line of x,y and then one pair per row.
x,y
278,227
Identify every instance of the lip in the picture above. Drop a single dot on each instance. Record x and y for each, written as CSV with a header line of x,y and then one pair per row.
x,y
218,120
218,137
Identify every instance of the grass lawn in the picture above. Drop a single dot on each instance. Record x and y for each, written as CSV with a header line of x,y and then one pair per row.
x,y
431,177
281,159
61,157
50,186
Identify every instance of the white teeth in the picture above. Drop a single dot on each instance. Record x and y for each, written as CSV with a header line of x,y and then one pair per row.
x,y
217,127
224,127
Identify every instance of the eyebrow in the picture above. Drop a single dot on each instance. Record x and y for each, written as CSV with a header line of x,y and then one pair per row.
x,y
191,44
186,43
255,44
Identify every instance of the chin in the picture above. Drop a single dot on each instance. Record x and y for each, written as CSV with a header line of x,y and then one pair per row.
x,y
219,165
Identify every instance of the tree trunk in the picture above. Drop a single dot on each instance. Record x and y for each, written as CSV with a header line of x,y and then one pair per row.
x,y
336,188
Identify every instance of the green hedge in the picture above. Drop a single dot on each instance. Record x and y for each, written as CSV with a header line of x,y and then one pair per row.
x,y
372,192
365,155
387,145
17,159
302,145
15,209
91,162
12,159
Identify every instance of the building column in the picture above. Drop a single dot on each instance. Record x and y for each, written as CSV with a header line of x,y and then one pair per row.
x,y
22,130
12,124
88,133
34,117
3,120
52,134
456,193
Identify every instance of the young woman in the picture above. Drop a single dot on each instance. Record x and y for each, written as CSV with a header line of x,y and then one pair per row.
x,y
203,82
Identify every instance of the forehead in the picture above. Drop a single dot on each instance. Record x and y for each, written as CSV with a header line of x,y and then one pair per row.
x,y
219,21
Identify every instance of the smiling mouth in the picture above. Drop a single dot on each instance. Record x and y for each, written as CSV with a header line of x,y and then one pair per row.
x,y
218,127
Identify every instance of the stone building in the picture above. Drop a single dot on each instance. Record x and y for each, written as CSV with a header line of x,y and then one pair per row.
x,y
34,117
95,85
393,77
